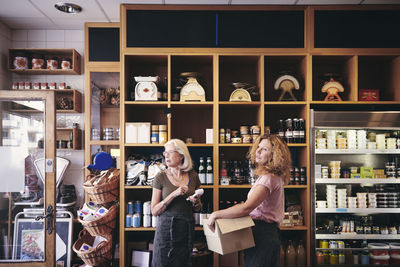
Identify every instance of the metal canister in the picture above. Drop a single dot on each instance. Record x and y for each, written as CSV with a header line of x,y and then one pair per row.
x,y
128,220
139,207
147,220
136,220
147,208
131,209
324,243
108,133
154,220
154,134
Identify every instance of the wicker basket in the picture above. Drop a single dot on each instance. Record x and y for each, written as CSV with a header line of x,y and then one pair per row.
x,y
102,225
100,254
103,193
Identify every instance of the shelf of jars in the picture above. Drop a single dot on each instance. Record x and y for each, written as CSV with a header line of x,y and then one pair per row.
x,y
358,236
357,181
357,151
357,210
44,61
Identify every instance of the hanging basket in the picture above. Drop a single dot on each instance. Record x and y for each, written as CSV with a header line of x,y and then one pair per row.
x,y
103,193
100,254
102,225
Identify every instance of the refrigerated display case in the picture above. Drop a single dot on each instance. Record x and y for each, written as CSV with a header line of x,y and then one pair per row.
x,y
355,187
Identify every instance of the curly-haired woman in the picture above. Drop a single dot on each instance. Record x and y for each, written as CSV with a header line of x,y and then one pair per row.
x,y
265,200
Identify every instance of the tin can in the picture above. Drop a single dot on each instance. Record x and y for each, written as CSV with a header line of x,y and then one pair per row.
x,y
43,85
162,134
255,129
147,220
108,133
15,85
147,208
136,220
95,134
154,134
154,220
333,244
131,209
128,220
117,133
324,243
138,207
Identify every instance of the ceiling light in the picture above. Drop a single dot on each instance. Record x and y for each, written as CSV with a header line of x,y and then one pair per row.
x,y
68,7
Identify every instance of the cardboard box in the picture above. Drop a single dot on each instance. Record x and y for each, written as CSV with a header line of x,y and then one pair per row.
x,y
230,235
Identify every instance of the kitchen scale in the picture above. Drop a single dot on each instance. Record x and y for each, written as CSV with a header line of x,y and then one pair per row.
x,y
332,88
287,83
39,164
192,90
146,88
241,93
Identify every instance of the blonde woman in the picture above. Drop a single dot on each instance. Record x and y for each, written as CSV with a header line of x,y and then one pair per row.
x,y
173,241
265,200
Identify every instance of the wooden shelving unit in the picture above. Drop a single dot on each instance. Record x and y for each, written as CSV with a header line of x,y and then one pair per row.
x,y
221,66
70,54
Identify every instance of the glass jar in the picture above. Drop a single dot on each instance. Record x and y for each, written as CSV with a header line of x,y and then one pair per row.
x,y
65,64
20,61
51,62
37,62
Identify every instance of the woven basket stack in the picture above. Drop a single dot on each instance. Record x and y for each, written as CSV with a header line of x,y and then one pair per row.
x,y
103,191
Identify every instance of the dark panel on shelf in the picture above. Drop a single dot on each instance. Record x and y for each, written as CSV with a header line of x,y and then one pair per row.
x,y
103,44
269,29
357,29
162,28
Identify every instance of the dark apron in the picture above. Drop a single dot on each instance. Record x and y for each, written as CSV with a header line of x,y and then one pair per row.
x,y
267,249
173,241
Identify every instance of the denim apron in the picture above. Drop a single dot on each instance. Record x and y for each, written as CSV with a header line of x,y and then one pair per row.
x,y
173,241
267,249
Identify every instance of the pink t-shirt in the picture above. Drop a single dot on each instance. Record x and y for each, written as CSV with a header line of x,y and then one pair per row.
x,y
272,208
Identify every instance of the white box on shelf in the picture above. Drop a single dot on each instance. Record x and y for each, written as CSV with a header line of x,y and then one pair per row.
x,y
209,136
137,132
131,132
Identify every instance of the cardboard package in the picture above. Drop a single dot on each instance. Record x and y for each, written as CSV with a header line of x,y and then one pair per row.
x,y
230,235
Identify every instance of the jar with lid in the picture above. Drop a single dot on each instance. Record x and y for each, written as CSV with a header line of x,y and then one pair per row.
x,y
37,62
154,134
66,64
20,61
51,62
222,136
162,134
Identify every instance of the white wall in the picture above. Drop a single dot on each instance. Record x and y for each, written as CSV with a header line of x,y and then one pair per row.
x,y
58,39
5,44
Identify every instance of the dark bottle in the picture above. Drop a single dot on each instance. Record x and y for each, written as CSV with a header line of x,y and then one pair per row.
x,y
289,131
301,129
202,171
291,181
209,172
281,131
303,176
296,132
223,172
203,212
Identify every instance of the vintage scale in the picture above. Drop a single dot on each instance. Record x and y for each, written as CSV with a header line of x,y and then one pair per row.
x,y
241,93
192,90
146,88
287,83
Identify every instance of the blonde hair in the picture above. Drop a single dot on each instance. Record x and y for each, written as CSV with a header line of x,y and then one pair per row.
x,y
182,149
280,162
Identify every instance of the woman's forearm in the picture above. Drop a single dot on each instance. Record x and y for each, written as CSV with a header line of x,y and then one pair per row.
x,y
239,210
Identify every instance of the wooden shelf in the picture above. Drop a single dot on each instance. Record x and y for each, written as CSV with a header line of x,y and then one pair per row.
x,y
65,134
71,54
105,142
74,95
